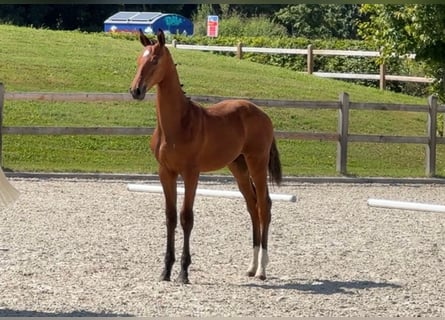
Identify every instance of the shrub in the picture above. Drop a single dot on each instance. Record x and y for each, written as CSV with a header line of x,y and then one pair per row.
x,y
342,64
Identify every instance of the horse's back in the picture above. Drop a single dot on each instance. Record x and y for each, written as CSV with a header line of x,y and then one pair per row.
x,y
239,108
252,124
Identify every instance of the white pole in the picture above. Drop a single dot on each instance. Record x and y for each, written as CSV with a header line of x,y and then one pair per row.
x,y
208,192
405,205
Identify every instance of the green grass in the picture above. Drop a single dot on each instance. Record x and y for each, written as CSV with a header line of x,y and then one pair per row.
x,y
60,61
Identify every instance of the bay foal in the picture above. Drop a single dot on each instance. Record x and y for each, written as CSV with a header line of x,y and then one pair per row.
x,y
189,139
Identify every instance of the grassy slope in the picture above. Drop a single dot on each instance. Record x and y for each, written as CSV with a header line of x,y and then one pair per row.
x,y
47,60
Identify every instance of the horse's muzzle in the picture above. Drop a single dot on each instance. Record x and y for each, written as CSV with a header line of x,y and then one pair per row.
x,y
138,93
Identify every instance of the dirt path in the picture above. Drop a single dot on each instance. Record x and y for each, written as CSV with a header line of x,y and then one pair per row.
x,y
86,248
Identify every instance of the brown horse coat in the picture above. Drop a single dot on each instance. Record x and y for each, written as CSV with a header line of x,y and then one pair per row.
x,y
190,139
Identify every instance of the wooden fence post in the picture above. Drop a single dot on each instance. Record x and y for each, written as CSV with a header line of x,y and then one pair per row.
x,y
430,157
382,76
342,130
382,71
239,50
310,59
2,99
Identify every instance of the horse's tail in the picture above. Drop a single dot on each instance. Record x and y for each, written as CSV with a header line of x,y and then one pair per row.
x,y
275,164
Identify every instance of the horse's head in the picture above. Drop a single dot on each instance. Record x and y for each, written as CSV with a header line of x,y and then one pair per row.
x,y
150,70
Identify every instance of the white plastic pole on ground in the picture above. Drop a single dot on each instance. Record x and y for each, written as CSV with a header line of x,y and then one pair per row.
x,y
208,192
405,205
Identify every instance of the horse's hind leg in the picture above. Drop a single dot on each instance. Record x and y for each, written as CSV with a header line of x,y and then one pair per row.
x,y
258,171
241,174
168,181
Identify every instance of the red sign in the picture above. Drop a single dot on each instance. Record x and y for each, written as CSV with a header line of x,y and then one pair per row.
x,y
212,26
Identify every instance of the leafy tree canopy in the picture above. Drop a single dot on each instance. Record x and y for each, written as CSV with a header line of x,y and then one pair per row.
x,y
317,21
405,29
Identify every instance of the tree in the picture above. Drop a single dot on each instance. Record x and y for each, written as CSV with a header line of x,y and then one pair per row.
x,y
320,20
409,29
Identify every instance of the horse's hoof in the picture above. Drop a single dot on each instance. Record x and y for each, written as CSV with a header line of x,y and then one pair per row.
x,y
250,273
183,279
164,277
261,277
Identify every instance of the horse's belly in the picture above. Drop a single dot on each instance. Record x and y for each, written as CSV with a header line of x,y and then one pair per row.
x,y
217,158
178,161
204,156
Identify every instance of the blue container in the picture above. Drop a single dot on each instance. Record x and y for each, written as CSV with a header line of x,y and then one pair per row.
x,y
149,22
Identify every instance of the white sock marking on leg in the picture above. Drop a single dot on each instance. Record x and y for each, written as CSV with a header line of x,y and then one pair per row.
x,y
254,262
261,272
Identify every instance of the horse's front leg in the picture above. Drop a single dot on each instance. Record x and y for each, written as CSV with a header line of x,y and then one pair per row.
x,y
190,185
168,181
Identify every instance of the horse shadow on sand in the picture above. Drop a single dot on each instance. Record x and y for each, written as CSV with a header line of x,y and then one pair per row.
x,y
79,313
325,287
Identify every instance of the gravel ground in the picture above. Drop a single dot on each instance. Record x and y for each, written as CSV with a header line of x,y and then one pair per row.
x,y
73,247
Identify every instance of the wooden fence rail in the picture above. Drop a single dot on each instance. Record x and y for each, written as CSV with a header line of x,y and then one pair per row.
x,y
310,52
342,136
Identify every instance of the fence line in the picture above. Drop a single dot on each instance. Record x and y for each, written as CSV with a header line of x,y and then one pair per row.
x,y
342,136
310,53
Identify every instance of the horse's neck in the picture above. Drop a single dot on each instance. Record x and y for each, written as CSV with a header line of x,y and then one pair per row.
x,y
172,103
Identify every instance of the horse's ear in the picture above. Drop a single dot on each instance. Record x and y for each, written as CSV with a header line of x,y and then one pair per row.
x,y
144,40
161,37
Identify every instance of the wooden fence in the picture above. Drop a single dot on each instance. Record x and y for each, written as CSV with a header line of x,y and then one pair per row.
x,y
310,52
341,137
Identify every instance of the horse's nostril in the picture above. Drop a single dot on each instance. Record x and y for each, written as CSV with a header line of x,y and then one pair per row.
x,y
138,92
135,92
